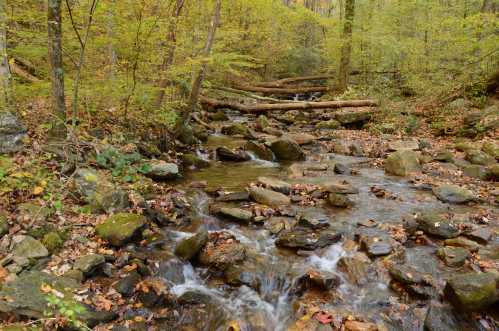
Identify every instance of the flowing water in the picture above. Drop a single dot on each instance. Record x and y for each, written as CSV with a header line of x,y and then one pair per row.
x,y
269,306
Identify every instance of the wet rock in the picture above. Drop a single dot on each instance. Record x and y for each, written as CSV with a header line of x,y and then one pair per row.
x,y
340,147
301,138
4,224
126,286
341,187
476,171
402,163
97,191
275,184
260,150
441,317
192,160
262,122
244,274
311,279
268,197
479,157
236,214
233,196
286,149
355,268
12,133
360,326
437,225
444,156
121,228
189,248
472,291
480,235
24,296
350,118
491,149
218,116
375,246
328,125
186,135
306,239
313,219
226,154
89,264
405,274
453,194
453,256
470,245
341,169
154,292
34,213
161,170
402,145
27,247
222,251
238,129
276,224
340,200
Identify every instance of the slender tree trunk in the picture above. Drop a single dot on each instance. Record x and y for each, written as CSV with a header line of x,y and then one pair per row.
x,y
346,50
170,55
489,6
5,74
110,34
54,24
198,80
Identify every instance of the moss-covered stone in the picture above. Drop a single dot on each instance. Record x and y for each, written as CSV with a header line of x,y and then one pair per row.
x,y
53,241
237,129
188,248
4,224
121,228
328,125
479,157
491,148
32,212
401,163
472,291
287,150
191,160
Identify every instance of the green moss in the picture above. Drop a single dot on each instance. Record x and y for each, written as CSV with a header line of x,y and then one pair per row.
x,y
121,228
53,241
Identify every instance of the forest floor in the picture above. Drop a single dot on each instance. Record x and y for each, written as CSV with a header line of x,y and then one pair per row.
x,y
358,219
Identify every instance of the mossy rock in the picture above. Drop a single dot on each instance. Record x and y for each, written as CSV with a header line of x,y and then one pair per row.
x,y
34,212
472,291
219,116
401,163
491,148
4,224
328,125
53,241
121,228
191,160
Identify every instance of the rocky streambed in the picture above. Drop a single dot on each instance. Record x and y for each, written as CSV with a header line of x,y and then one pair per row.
x,y
285,226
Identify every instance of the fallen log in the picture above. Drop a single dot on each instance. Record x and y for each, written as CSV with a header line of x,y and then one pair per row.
x,y
24,74
285,81
265,107
250,95
285,90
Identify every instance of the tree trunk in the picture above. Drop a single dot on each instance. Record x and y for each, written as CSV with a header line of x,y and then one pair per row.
x,y
54,24
170,55
198,80
5,74
282,90
346,49
489,6
265,107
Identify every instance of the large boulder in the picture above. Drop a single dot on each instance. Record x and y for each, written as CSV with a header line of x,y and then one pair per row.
x,y
227,154
238,129
189,247
121,228
88,264
313,218
12,133
453,256
222,251
268,197
328,125
237,214
472,291
453,194
161,170
98,192
286,149
476,171
26,247
275,184
479,157
402,163
435,224
260,150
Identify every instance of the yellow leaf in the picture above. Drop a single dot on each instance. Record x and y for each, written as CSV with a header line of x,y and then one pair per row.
x,y
38,190
234,326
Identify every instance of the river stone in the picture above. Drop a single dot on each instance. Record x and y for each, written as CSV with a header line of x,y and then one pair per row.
x,y
453,256
311,279
243,274
306,239
269,197
188,248
402,163
260,150
476,171
491,148
355,268
192,160
226,154
402,145
34,213
238,129
53,241
12,133
480,235
28,248
341,187
88,264
442,317
461,241
154,292
275,184
96,190
276,224
453,194
24,296
286,149
444,155
479,157
222,251
375,246
161,170
218,116
121,228
233,196
301,138
313,219
328,125
405,274
236,214
472,291
436,225
4,224
340,200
